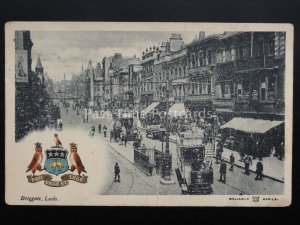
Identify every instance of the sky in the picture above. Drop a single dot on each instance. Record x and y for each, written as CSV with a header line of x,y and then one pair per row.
x,y
64,52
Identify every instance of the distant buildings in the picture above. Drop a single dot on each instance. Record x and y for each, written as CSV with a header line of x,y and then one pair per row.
x,y
230,74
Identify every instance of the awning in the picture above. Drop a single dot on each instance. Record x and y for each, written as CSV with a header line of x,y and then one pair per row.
x,y
150,107
250,125
178,109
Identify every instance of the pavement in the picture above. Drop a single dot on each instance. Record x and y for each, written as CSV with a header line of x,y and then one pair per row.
x,y
273,167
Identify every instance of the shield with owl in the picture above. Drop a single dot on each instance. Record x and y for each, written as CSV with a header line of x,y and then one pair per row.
x,y
56,161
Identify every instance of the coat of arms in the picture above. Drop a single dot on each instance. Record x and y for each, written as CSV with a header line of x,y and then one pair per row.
x,y
56,163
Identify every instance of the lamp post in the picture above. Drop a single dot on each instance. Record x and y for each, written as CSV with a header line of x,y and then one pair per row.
x,y
214,124
167,157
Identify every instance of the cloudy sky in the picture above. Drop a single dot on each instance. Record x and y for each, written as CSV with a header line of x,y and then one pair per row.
x,y
65,51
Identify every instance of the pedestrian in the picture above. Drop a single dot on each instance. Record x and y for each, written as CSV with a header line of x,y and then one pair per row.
x,y
141,136
104,130
219,152
125,140
135,145
223,168
117,173
259,170
281,151
247,162
110,136
232,159
99,128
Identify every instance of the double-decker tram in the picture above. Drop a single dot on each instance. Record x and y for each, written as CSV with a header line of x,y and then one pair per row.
x,y
194,172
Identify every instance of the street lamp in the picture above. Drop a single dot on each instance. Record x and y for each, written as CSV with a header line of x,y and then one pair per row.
x,y
167,157
214,124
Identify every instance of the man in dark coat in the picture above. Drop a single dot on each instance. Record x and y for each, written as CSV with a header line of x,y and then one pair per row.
x,y
259,170
99,128
223,168
247,162
104,130
117,173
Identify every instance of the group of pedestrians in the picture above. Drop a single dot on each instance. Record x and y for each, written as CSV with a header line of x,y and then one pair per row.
x,y
247,162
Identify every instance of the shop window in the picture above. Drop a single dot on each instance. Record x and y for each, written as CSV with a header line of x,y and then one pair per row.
x,y
240,92
227,91
263,91
271,88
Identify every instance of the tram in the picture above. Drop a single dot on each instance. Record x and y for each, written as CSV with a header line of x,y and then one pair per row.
x,y
194,172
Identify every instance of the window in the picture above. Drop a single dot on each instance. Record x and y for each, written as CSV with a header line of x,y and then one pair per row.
x,y
208,57
206,86
263,89
260,48
201,59
233,54
193,61
223,56
240,92
270,49
271,88
246,52
279,51
184,70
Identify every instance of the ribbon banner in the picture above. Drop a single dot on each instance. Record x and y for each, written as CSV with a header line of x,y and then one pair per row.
x,y
64,179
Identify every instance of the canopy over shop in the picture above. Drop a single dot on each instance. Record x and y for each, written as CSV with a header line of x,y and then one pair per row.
x,y
153,113
253,136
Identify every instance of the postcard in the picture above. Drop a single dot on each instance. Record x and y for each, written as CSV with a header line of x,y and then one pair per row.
x,y
148,114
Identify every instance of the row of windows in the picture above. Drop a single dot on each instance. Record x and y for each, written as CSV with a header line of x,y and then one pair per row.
x,y
204,58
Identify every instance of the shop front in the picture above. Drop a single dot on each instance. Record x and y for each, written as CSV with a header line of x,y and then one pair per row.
x,y
255,137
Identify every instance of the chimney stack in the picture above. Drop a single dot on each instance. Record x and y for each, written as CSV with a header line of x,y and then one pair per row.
x,y
201,35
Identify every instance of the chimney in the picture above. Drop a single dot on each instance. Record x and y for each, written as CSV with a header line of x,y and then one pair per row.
x,y
201,35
